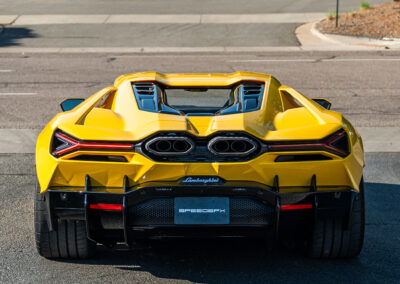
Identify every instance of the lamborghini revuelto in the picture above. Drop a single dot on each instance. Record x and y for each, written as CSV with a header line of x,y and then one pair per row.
x,y
198,155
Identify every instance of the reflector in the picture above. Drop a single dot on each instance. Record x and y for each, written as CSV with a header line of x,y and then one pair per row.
x,y
115,207
296,206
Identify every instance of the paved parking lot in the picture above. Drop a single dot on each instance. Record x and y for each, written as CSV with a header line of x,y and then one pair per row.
x,y
206,261
69,60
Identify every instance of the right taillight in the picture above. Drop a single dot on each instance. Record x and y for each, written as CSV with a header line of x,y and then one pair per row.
x,y
337,143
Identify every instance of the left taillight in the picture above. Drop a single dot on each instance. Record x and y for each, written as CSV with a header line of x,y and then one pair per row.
x,y
64,144
337,143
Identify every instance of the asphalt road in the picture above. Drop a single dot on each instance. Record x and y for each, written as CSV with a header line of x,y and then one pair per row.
x,y
149,35
223,261
362,85
76,29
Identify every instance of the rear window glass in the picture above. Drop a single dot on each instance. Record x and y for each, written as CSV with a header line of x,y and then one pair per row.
x,y
197,98
200,101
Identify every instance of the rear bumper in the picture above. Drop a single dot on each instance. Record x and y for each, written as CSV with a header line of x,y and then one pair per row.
x,y
66,172
122,217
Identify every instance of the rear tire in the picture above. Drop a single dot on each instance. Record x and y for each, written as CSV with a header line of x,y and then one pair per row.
x,y
329,238
68,240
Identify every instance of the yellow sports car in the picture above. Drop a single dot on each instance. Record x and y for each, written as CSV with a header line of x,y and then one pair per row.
x,y
199,155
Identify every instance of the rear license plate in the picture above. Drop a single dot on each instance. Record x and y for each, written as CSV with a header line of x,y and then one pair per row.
x,y
201,210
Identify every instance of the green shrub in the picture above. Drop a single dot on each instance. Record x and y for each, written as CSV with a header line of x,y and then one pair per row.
x,y
365,5
331,15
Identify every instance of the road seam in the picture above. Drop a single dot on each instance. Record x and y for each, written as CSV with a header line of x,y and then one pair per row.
x,y
178,49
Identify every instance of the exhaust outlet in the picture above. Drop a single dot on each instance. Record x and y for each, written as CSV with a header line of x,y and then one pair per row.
x,y
221,146
169,146
232,146
180,146
238,146
163,146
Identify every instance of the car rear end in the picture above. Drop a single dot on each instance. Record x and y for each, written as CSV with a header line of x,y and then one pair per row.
x,y
232,170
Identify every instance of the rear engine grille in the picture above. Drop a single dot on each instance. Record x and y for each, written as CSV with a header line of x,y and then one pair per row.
x,y
160,211
145,88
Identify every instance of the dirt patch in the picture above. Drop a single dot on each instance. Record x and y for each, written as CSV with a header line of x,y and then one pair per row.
x,y
379,21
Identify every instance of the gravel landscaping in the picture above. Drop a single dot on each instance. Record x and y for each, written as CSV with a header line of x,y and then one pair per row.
x,y
379,21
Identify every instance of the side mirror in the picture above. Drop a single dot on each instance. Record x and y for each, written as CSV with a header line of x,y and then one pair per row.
x,y
69,104
323,102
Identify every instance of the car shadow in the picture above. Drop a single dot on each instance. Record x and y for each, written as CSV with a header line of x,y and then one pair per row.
x,y
247,260
10,36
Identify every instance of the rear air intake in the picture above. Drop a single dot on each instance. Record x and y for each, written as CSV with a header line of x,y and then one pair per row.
x,y
232,146
100,158
301,158
145,88
252,89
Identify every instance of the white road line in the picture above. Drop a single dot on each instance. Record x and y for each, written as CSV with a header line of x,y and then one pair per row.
x,y
380,139
18,94
141,56
375,139
361,59
256,60
18,140
273,60
6,71
316,60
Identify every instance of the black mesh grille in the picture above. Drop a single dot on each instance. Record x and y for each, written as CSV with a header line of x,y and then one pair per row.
x,y
249,211
160,211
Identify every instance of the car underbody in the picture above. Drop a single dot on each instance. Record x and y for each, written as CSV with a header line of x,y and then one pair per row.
x,y
149,210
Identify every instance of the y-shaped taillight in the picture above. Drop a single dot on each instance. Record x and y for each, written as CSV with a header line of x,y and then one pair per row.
x,y
64,144
336,143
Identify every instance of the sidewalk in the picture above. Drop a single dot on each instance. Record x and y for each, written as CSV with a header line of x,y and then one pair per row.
x,y
23,20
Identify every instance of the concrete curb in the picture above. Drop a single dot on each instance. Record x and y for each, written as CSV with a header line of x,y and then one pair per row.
x,y
311,38
322,36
